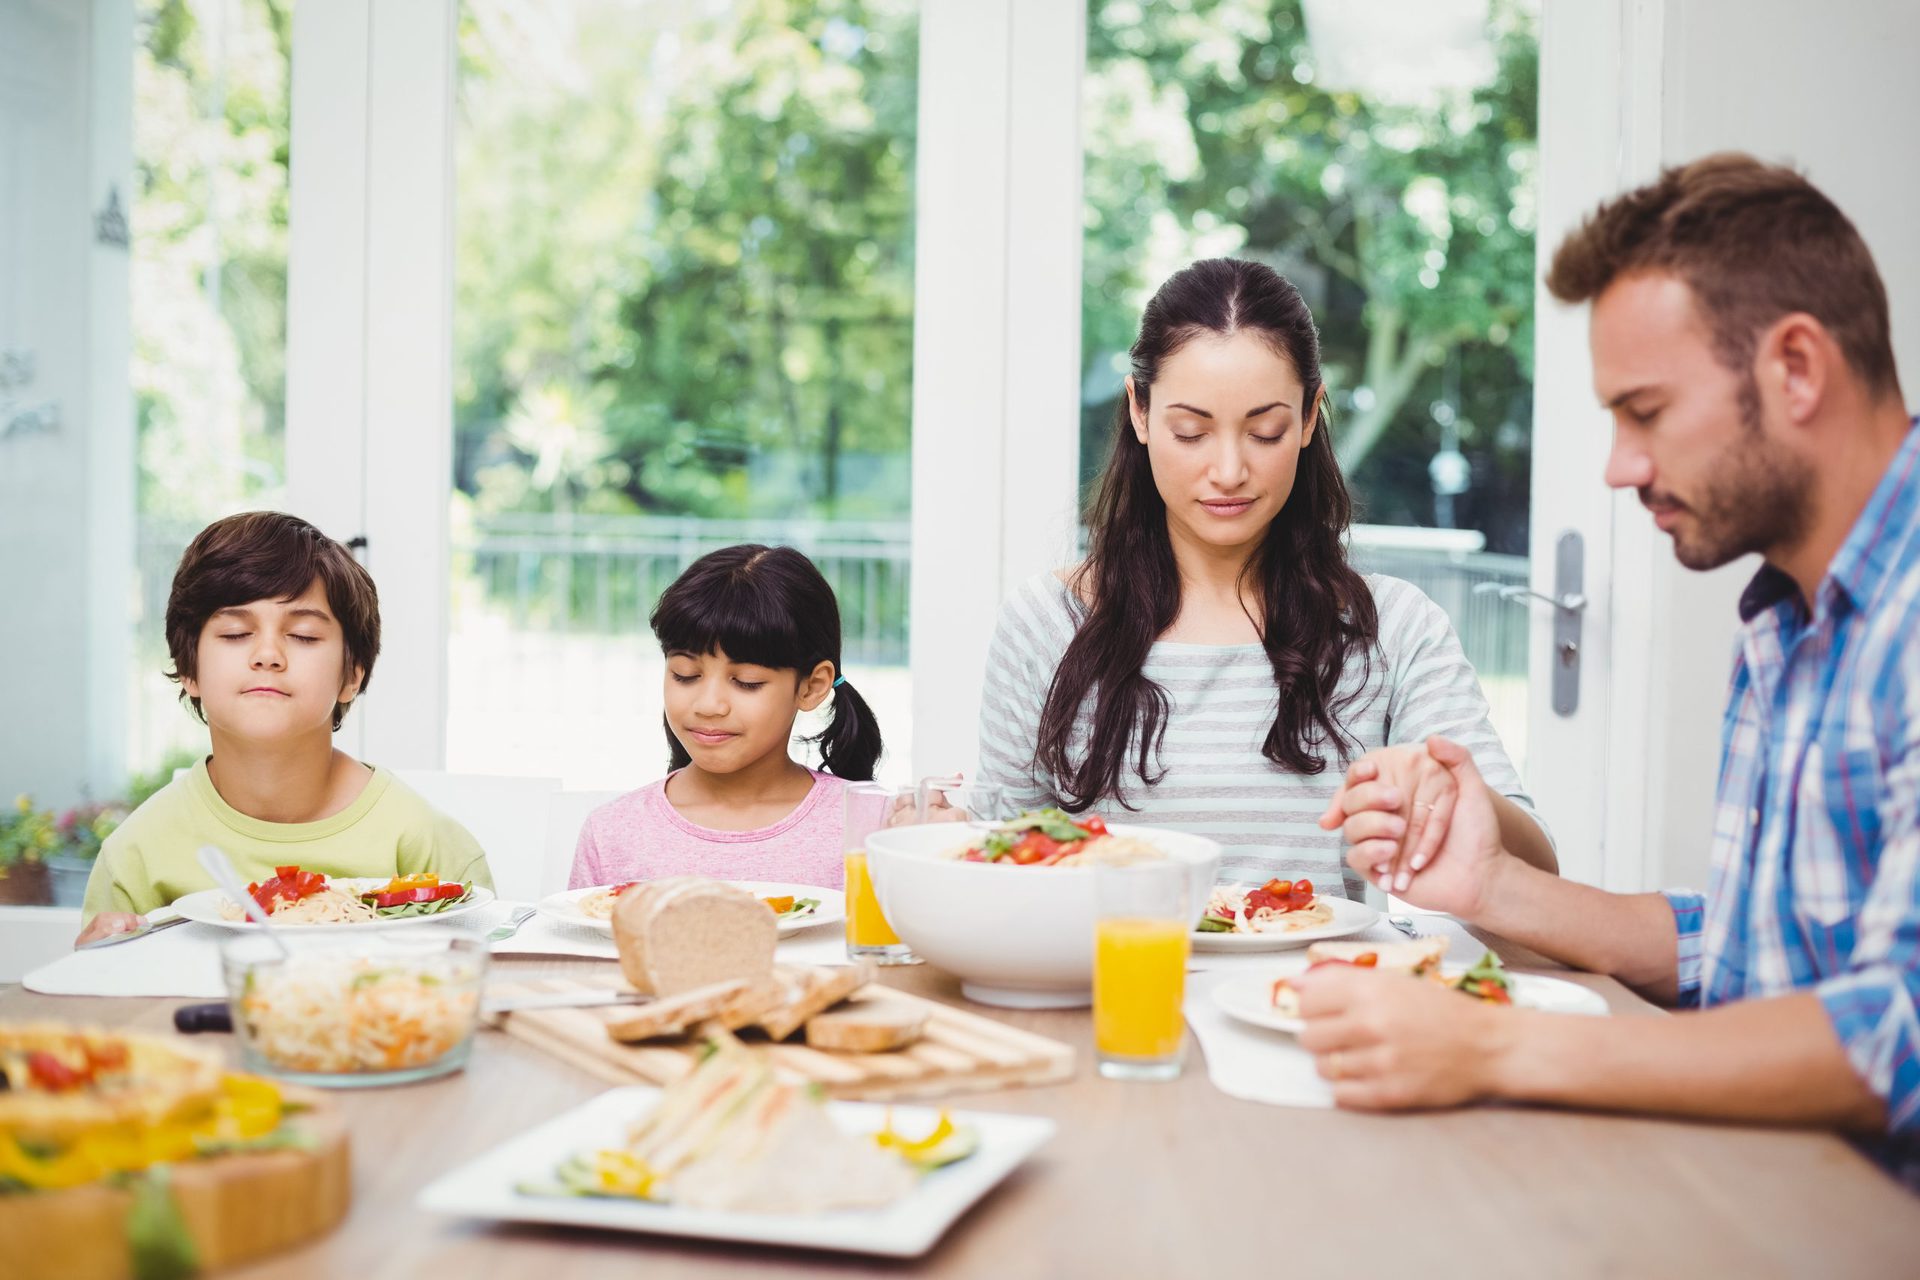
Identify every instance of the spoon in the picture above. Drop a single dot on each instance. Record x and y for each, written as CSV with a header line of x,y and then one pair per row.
x,y
217,865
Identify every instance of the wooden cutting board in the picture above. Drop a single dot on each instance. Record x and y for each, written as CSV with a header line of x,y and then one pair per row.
x,y
237,1208
959,1051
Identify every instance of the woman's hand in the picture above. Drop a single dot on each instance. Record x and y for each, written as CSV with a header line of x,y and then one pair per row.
x,y
108,923
1394,807
1458,875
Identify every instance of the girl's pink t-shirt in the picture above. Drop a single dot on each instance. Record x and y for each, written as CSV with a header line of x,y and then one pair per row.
x,y
641,836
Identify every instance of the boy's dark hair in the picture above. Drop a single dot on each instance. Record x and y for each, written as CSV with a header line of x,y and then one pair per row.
x,y
768,606
269,555
1754,242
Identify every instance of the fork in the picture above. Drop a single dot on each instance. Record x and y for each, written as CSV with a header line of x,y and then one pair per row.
x,y
519,917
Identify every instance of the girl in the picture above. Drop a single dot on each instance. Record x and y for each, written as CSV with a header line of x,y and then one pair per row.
x,y
1215,653
752,638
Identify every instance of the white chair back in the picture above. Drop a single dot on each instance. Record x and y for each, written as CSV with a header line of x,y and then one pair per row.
x,y
566,813
507,815
33,936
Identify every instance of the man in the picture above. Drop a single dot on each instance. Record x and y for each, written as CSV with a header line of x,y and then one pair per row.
x,y
1740,339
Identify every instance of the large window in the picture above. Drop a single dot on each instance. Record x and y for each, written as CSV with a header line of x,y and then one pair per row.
x,y
683,319
1383,158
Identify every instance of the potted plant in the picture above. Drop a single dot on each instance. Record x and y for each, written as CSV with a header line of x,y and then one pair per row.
x,y
81,831
27,837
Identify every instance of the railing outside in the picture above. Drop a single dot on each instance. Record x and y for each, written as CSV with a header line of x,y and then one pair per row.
x,y
598,577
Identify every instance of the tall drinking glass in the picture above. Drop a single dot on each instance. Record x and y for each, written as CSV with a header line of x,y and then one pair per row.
x,y
953,799
1142,917
869,807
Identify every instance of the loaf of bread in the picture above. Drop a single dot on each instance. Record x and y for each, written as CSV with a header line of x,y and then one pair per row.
x,y
867,1026
683,932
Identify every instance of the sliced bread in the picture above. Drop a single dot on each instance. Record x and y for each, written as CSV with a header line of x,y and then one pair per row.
x,y
815,989
671,1015
867,1026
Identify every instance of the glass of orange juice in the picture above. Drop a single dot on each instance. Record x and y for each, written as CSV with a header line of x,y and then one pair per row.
x,y
1143,914
868,807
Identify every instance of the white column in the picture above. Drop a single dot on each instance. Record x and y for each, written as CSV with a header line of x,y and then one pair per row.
x,y
370,335
996,337
327,280
410,373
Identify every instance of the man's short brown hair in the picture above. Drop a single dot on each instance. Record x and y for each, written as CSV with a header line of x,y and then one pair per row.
x,y
1754,242
269,555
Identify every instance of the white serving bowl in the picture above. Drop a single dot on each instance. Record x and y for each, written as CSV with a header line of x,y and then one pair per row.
x,y
1015,936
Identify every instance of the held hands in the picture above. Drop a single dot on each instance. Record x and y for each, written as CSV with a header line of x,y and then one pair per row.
x,y
1420,822
108,923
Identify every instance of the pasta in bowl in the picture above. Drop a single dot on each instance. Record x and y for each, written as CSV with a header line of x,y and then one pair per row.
x,y
1016,933
338,1015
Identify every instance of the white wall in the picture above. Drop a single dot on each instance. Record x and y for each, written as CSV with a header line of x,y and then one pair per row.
x,y
66,494
1831,89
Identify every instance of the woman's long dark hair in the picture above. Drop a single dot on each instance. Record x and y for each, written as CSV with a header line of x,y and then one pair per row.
x,y
769,606
1317,616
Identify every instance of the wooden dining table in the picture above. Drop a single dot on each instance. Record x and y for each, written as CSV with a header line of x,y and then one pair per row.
x,y
1159,1179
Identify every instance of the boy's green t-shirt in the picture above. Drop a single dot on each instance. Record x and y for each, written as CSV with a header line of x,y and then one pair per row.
x,y
153,857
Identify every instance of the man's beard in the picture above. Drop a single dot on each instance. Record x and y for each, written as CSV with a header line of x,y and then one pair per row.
x,y
1756,497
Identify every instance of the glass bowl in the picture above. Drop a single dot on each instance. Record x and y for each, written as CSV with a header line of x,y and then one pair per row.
x,y
343,1014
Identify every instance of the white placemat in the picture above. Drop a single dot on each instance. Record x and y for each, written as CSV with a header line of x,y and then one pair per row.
x,y
1270,1066
542,935
184,962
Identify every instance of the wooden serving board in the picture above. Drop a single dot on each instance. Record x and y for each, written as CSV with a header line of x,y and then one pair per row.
x,y
236,1207
959,1051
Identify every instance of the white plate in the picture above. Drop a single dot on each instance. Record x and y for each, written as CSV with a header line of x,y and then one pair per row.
x,y
485,1188
204,908
1250,996
1349,917
565,907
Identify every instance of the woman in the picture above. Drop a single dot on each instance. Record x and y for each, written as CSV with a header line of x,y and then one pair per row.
x,y
1215,662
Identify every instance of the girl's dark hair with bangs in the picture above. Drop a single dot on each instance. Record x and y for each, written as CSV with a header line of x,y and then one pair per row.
x,y
269,555
771,607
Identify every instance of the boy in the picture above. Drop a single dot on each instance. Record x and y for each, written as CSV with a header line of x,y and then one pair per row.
x,y
273,628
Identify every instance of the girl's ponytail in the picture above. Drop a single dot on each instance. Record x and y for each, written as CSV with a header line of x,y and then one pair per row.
x,y
850,744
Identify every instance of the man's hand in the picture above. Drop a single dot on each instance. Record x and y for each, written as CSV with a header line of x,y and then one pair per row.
x,y
108,923
1389,1042
1458,876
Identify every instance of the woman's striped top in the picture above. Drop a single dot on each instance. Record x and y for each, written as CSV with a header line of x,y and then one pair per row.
x,y
1223,701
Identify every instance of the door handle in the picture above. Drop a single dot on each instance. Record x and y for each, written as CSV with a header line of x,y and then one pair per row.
x,y
1569,603
1520,595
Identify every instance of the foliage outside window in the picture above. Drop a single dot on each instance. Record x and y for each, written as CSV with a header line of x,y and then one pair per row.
x,y
1407,222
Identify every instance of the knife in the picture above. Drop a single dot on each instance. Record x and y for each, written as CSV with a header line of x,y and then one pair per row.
x,y
115,939
561,1000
